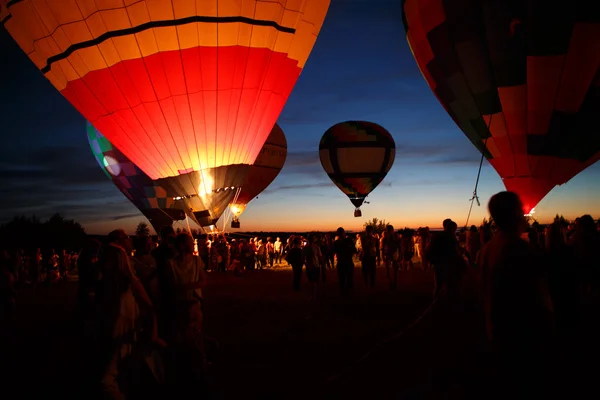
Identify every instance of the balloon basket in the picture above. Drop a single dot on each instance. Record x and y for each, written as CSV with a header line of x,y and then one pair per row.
x,y
235,224
357,213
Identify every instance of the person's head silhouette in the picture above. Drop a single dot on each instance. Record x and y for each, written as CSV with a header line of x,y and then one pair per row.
x,y
507,211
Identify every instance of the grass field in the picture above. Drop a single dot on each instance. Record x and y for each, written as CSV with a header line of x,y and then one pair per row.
x,y
276,343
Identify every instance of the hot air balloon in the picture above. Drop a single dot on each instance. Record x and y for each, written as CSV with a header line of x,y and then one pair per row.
x,y
520,78
150,199
265,169
357,155
187,90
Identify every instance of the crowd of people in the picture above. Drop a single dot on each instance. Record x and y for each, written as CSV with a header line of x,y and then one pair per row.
x,y
141,297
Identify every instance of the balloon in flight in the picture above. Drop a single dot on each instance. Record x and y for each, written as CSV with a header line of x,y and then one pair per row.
x,y
520,78
265,169
357,156
150,199
187,90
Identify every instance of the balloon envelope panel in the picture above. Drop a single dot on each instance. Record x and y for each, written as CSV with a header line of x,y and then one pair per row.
x,y
520,78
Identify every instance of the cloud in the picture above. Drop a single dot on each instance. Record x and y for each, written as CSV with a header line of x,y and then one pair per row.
x,y
303,164
124,216
439,153
64,179
304,186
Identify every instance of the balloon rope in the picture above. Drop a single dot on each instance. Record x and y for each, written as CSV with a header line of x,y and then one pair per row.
x,y
187,220
475,196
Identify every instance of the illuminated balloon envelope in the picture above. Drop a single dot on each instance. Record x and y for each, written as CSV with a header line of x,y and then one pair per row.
x,y
520,79
265,169
187,90
150,199
357,156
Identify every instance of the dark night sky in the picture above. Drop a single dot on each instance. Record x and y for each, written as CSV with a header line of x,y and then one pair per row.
x,y
361,68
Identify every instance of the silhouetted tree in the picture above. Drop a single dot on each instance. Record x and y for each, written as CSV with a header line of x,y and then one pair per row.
x,y
29,233
377,224
561,220
142,229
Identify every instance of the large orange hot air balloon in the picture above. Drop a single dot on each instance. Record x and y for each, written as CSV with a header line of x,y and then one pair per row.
x,y
265,169
150,199
520,78
187,90
357,155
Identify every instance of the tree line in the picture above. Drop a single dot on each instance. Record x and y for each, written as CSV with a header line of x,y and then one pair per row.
x,y
29,233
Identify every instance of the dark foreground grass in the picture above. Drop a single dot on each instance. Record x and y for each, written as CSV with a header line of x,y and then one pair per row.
x,y
273,341
280,344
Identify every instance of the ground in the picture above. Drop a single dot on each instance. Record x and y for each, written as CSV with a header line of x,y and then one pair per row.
x,y
276,343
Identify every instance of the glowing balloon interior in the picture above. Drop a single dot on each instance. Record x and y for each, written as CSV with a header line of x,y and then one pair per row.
x,y
150,199
357,156
520,78
187,90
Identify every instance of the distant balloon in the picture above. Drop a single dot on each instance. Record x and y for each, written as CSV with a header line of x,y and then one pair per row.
x,y
150,199
265,169
357,156
187,90
520,78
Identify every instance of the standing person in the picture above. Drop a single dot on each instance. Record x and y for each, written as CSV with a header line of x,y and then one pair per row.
x,y
295,257
162,255
325,260
369,256
313,259
344,250
123,300
270,249
35,266
390,254
425,241
407,249
278,248
445,256
518,311
473,244
144,266
89,273
187,278
358,245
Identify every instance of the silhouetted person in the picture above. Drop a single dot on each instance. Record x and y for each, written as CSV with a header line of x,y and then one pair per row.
x,y
344,249
390,254
473,244
444,255
295,258
162,255
123,301
313,258
89,273
515,297
586,249
562,276
369,256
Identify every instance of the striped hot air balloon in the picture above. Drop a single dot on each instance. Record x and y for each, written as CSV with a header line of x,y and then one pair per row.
x,y
357,156
187,90
152,200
